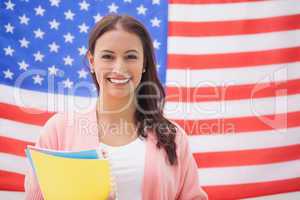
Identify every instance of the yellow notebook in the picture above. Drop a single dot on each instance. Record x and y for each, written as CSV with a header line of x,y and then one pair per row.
x,y
65,178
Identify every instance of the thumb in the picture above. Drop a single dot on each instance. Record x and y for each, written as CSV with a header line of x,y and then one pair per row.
x,y
111,196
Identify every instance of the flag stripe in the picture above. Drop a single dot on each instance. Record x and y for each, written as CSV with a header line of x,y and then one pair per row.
x,y
21,131
232,108
233,60
44,103
11,181
237,27
240,174
240,124
24,114
13,146
235,92
233,44
209,1
13,163
247,157
232,11
239,191
246,141
234,76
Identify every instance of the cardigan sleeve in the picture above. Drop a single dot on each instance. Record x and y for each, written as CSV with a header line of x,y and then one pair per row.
x,y
46,139
189,187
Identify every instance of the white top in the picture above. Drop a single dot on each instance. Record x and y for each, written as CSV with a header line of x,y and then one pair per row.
x,y
127,163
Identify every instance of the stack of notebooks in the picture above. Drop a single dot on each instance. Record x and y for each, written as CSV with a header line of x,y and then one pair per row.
x,y
70,175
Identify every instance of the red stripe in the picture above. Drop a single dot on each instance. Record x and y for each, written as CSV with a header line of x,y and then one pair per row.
x,y
229,192
13,146
232,92
210,1
234,27
232,60
24,115
247,157
240,124
11,181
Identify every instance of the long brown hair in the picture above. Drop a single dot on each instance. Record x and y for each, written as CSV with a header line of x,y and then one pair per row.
x,y
145,118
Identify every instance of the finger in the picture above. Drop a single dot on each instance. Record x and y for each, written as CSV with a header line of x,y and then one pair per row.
x,y
111,196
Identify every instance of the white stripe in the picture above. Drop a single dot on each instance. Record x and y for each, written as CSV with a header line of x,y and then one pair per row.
x,y
44,101
18,130
283,196
232,76
233,44
244,141
249,174
231,108
9,195
232,11
13,163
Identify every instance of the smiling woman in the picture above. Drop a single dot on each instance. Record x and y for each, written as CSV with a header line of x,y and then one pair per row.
x,y
150,154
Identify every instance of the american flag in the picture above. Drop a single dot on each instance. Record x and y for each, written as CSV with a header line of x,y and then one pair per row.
x,y
230,69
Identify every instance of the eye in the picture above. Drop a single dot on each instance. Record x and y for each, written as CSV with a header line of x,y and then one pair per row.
x,y
131,57
107,56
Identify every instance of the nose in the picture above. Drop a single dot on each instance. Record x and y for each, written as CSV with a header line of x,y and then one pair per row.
x,y
119,66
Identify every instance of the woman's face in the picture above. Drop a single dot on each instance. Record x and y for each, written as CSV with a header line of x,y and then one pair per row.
x,y
118,63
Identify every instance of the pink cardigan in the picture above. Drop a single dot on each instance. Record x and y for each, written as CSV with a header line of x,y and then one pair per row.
x,y
161,181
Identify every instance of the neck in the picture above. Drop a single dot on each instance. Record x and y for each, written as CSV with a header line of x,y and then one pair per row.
x,y
116,122
114,110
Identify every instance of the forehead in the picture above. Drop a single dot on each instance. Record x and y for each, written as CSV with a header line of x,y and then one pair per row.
x,y
118,40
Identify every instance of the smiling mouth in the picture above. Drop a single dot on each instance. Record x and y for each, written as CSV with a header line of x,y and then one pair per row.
x,y
118,81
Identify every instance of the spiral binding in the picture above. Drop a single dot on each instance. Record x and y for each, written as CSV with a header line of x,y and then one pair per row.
x,y
113,183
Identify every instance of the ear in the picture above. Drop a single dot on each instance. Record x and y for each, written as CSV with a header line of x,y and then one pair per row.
x,y
91,61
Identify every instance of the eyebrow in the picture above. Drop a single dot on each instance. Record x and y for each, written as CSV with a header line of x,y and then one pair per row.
x,y
128,51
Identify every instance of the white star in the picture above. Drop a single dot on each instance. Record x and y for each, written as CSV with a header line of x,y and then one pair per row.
x,y
9,51
156,44
113,8
8,74
127,1
24,42
84,5
82,50
39,11
157,66
55,2
97,17
39,33
53,47
67,83
23,65
54,24
37,79
69,15
155,22
9,28
83,28
69,37
155,2
141,10
38,56
82,73
9,5
68,60
52,70
24,19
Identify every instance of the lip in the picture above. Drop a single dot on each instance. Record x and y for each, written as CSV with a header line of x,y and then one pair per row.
x,y
119,77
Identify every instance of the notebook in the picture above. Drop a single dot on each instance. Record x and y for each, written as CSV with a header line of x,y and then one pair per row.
x,y
70,175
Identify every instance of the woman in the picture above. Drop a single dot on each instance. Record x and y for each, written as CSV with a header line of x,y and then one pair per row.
x,y
150,155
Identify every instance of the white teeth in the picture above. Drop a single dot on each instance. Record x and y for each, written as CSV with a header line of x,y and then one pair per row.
x,y
118,80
